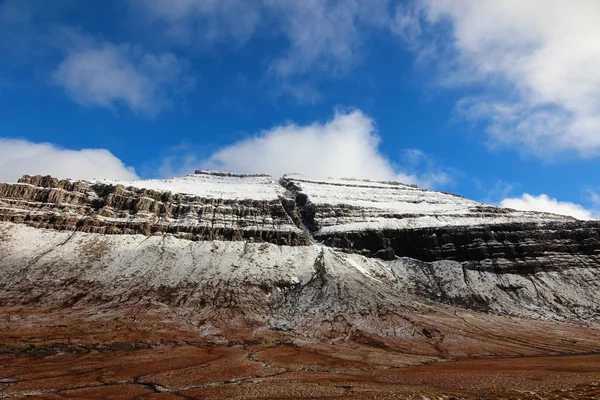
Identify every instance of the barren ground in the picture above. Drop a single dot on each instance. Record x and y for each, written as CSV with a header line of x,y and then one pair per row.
x,y
85,353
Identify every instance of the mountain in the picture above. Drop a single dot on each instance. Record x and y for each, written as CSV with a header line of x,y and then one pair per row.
x,y
228,258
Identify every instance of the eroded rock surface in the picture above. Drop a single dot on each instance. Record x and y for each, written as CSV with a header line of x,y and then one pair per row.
x,y
458,251
208,213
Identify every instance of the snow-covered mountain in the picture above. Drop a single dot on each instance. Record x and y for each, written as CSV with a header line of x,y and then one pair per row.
x,y
319,258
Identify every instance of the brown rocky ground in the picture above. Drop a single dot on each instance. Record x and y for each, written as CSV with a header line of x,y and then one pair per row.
x,y
153,352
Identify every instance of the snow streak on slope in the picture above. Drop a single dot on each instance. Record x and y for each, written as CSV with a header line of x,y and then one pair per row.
x,y
213,185
351,205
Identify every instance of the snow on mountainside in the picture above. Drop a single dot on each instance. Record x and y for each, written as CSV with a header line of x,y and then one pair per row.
x,y
382,204
284,286
291,246
203,206
350,205
213,185
347,204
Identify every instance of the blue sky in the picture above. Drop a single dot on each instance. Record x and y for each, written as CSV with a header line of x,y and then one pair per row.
x,y
497,101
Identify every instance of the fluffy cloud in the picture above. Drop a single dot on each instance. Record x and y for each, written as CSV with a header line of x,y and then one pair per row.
x,y
544,203
543,55
21,157
108,75
346,146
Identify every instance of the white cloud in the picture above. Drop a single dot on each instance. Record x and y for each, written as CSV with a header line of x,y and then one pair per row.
x,y
108,75
346,146
21,157
197,22
545,203
324,34
319,35
541,55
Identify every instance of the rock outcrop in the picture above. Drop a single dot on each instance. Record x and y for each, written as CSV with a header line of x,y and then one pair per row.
x,y
119,208
389,220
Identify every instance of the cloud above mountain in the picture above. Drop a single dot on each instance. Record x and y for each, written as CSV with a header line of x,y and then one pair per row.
x,y
345,146
22,157
318,37
98,73
529,71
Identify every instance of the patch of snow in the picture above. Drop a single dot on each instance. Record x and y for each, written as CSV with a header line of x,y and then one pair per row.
x,y
353,205
212,185
359,267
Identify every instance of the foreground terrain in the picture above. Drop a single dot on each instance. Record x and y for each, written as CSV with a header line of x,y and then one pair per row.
x,y
221,373
151,352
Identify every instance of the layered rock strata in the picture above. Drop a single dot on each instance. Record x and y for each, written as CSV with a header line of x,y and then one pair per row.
x,y
390,219
210,211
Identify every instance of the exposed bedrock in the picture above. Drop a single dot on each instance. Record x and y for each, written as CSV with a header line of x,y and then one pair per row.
x,y
393,220
105,208
521,244
457,251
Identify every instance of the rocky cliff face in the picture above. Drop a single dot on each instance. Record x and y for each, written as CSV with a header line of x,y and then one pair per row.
x,y
121,208
458,251
393,220
324,258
